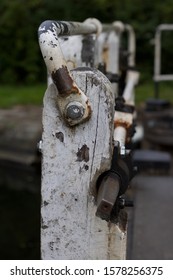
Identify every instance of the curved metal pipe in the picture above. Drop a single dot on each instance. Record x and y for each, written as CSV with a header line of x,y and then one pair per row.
x,y
72,102
48,33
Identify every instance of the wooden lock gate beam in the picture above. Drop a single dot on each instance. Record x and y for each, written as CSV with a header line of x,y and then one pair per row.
x,y
74,155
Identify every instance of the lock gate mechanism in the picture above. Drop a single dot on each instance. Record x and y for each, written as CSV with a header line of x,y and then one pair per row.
x,y
112,184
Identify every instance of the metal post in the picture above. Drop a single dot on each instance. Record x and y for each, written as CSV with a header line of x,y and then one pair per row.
x,y
158,76
108,48
131,45
157,62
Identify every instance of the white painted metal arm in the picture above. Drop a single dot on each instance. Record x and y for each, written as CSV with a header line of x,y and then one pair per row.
x,y
124,120
73,103
132,81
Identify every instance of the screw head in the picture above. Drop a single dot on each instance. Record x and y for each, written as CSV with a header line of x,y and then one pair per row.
x,y
74,110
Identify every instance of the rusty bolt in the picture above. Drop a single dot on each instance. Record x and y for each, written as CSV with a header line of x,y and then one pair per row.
x,y
74,111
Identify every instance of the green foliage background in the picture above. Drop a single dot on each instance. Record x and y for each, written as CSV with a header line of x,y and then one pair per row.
x,y
20,57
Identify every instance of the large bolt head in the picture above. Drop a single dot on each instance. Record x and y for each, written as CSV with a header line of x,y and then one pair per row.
x,y
74,110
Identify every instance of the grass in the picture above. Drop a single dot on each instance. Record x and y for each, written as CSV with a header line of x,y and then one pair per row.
x,y
33,94
145,90
23,95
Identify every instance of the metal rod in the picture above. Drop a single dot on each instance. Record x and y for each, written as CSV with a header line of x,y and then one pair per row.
x,y
67,28
164,77
120,135
48,33
157,54
131,45
132,80
165,26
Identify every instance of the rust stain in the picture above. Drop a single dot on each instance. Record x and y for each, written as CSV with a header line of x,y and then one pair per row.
x,y
105,55
122,123
62,194
64,82
83,154
60,136
88,106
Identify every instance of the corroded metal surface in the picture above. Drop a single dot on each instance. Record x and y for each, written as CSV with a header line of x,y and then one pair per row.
x,y
48,32
122,123
107,195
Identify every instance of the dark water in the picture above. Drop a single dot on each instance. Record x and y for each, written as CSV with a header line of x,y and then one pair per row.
x,y
19,213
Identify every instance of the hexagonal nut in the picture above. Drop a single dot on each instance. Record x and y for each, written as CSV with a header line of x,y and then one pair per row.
x,y
74,110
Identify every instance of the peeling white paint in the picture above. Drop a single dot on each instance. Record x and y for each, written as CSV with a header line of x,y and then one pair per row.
x,y
70,228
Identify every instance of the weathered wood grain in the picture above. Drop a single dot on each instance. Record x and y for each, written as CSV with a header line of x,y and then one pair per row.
x,y
72,160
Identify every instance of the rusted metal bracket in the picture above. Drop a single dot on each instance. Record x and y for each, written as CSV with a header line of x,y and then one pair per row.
x,y
107,195
113,184
72,102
